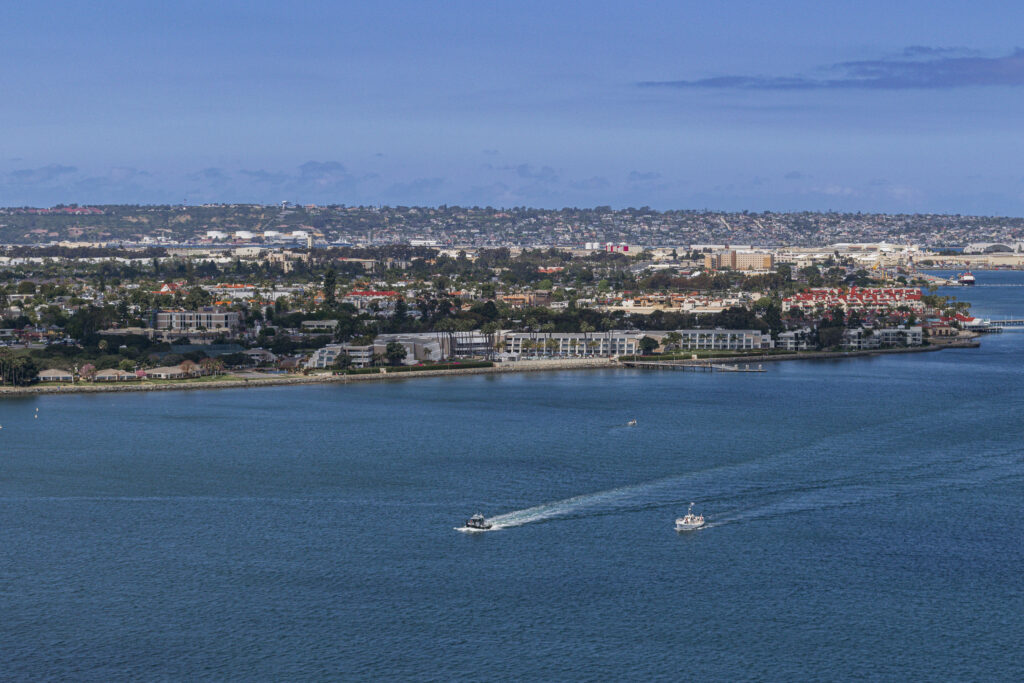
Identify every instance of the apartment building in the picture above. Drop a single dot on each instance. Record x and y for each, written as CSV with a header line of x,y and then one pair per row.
x,y
722,340
862,339
610,343
206,318
739,260
323,358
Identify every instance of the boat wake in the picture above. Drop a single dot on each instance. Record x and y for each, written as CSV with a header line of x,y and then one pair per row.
x,y
730,492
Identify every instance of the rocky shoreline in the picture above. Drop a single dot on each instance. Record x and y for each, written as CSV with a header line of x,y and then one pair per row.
x,y
292,380
501,368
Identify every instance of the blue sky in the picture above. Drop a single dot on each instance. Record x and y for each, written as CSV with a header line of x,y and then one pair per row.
x,y
870,106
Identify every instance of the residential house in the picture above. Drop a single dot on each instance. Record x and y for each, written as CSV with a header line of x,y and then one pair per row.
x,y
55,375
167,372
114,375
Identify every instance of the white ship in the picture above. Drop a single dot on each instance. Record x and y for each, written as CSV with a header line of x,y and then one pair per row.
x,y
689,521
965,278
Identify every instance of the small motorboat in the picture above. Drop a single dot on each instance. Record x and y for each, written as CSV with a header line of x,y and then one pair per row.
x,y
631,423
689,521
479,522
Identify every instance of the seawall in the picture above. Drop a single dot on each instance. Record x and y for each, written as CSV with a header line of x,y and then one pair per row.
x,y
500,368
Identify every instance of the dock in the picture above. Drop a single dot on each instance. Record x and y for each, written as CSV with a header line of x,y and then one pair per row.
x,y
691,366
1007,324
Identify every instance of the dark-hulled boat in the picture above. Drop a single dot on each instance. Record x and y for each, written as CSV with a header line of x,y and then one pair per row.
x,y
478,521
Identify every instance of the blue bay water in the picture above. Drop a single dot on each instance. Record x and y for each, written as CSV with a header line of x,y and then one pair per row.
x,y
865,522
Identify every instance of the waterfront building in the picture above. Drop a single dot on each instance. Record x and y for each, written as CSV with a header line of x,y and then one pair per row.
x,y
428,346
55,375
167,372
795,340
859,339
259,356
114,375
722,340
568,344
323,358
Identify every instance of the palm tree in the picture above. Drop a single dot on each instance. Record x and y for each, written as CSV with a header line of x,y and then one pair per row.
x,y
586,328
445,329
551,345
549,328
489,330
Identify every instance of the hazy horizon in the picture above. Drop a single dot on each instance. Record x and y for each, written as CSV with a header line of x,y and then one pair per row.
x,y
792,107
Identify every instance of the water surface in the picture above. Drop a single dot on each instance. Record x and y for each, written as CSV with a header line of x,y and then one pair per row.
x,y
865,521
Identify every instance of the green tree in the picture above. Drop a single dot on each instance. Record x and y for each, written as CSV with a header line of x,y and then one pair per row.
x,y
648,345
330,287
395,353
490,329
196,298
342,362
829,337
17,370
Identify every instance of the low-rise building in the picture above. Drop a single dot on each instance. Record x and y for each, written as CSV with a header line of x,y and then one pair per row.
x,y
114,375
722,340
418,347
55,375
206,318
323,358
860,299
860,339
260,356
611,343
319,325
795,340
168,372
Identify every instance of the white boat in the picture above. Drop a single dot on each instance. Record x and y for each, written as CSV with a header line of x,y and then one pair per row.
x,y
689,521
631,423
478,522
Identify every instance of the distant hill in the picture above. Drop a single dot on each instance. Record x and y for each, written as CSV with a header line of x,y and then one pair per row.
x,y
447,225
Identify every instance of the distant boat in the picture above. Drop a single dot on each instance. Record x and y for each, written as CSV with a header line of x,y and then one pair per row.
x,y
689,521
631,423
965,278
478,522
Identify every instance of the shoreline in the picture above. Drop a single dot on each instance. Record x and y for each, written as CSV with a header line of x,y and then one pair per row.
x,y
506,368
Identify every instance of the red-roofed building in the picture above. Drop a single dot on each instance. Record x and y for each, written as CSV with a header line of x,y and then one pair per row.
x,y
170,288
861,299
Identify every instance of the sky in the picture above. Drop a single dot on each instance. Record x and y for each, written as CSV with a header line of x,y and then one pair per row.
x,y
850,106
